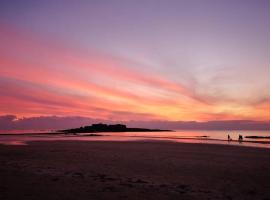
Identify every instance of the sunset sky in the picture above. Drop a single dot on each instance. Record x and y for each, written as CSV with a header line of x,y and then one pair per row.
x,y
136,60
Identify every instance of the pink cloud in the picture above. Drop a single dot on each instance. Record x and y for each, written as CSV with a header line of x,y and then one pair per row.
x,y
66,81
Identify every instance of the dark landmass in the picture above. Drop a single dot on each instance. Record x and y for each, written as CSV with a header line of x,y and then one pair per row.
x,y
85,135
258,137
95,128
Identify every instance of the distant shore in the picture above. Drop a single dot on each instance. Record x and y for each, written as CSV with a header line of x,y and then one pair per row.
x,y
133,170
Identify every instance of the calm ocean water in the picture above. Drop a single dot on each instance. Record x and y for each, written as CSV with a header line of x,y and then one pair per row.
x,y
188,136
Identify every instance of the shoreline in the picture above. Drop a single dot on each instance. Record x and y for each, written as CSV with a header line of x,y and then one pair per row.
x,y
177,139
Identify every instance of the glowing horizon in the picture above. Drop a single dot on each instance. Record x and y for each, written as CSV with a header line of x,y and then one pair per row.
x,y
46,70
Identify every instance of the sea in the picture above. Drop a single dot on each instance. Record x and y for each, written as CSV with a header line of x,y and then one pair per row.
x,y
23,137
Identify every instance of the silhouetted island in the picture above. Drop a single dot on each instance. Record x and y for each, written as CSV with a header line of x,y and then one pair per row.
x,y
95,128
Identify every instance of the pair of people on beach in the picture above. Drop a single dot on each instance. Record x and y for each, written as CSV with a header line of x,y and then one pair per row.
x,y
240,138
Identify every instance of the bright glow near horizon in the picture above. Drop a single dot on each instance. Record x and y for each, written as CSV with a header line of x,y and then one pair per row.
x,y
136,60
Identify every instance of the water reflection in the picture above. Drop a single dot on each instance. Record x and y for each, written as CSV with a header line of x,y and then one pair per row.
x,y
207,137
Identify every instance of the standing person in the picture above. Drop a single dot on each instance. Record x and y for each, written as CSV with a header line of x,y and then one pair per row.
x,y
229,138
240,138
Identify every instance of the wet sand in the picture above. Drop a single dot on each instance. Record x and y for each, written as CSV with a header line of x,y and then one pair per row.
x,y
133,170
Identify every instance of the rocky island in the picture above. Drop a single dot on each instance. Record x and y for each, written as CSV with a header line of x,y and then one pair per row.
x,y
96,128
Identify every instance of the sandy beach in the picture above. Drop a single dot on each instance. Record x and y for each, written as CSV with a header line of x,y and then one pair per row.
x,y
133,170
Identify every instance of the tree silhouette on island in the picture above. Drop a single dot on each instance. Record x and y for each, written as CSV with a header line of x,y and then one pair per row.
x,y
96,128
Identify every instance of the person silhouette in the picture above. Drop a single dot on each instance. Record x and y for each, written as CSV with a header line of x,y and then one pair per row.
x,y
229,138
240,138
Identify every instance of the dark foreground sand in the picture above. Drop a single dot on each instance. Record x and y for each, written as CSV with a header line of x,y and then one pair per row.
x,y
133,170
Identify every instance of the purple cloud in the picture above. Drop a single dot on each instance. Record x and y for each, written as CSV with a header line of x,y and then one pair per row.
x,y
10,122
